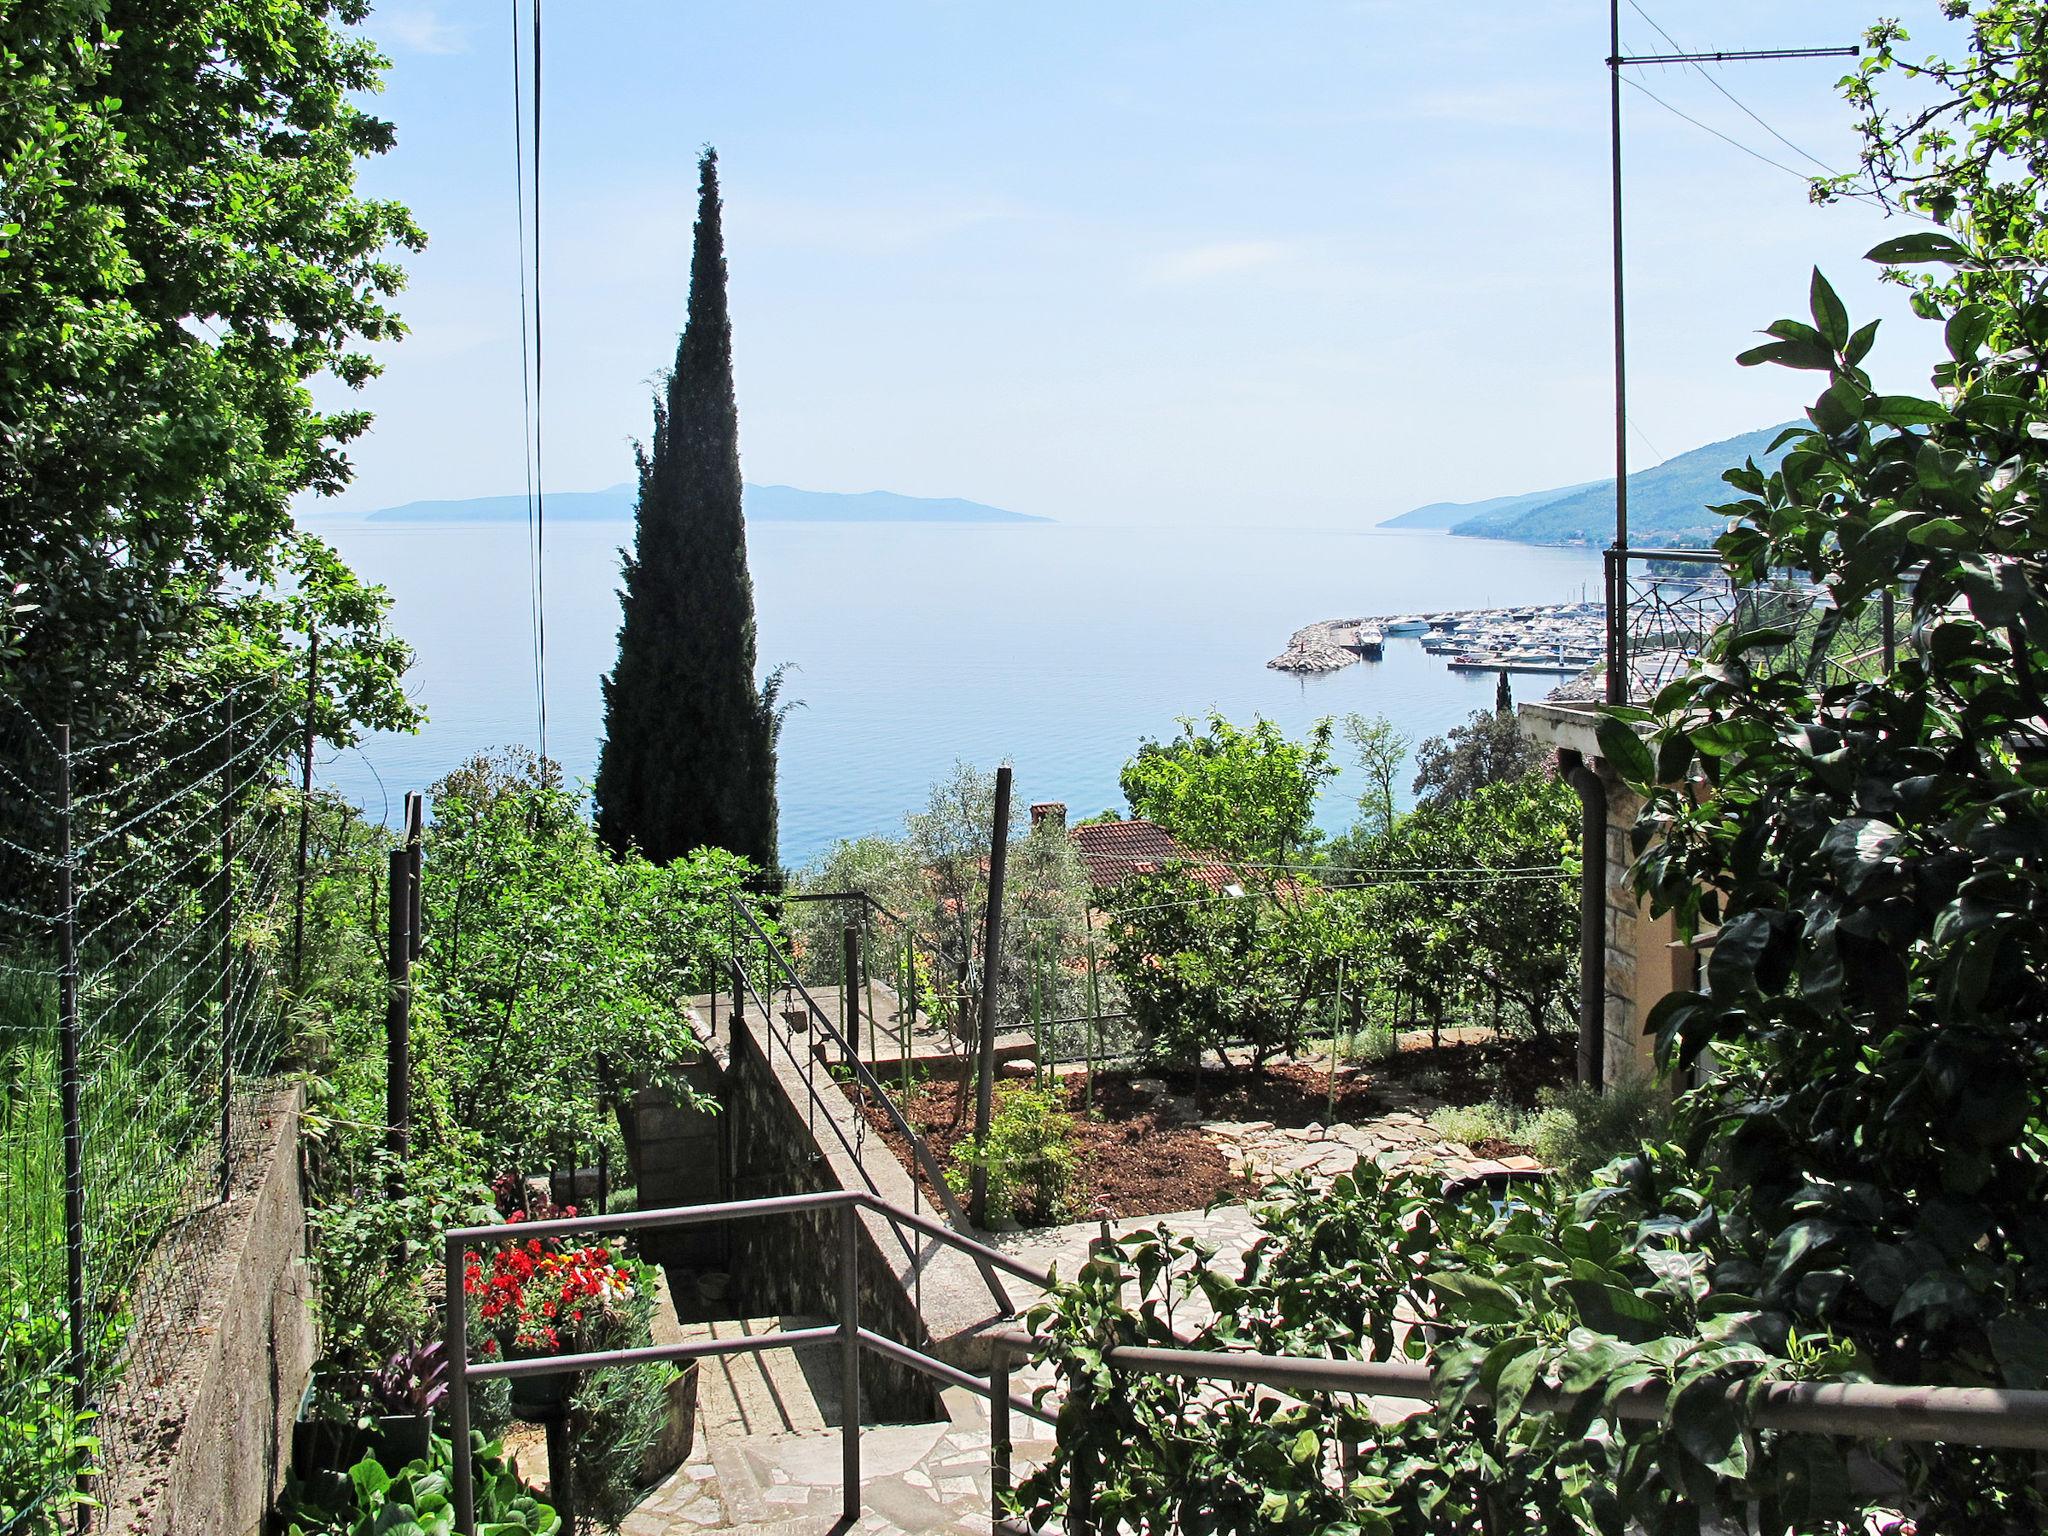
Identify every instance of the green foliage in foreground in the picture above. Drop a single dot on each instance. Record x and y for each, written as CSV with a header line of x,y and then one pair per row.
x,y
1580,1296
418,1499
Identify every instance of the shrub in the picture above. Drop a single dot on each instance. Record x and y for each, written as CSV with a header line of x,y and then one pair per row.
x,y
1033,1173
1580,1129
1474,1123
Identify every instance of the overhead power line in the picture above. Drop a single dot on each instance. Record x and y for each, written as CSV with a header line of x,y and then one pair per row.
x,y
1740,105
530,397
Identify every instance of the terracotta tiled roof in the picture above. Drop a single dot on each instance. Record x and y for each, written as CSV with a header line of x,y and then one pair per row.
x,y
1116,850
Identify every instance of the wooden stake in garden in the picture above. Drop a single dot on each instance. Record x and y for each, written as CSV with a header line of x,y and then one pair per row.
x,y
991,975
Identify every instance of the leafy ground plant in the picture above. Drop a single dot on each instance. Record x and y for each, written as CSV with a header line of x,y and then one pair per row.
x,y
419,1498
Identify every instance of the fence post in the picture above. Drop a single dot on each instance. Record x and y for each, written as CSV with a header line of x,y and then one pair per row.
x,y
305,811
907,1016
1889,607
67,1081
398,1017
998,1431
1094,1018
849,1007
227,952
415,854
849,1361
991,977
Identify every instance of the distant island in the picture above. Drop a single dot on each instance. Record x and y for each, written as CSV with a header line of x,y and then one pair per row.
x,y
1668,506
763,504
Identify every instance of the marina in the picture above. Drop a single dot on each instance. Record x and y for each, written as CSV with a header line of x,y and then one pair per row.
x,y
1553,639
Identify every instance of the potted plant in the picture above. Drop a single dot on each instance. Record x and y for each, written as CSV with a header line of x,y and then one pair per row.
x,y
405,1391
543,1297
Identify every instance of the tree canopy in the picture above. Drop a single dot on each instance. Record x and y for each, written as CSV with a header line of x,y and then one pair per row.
x,y
1244,794
182,251
688,758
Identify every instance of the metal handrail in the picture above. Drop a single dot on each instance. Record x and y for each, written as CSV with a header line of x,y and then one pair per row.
x,y
1996,1417
852,1337
871,1085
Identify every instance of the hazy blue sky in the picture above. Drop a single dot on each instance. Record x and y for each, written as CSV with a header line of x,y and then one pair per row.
x,y
1281,263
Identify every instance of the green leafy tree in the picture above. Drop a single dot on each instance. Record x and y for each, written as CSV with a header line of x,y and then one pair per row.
x,y
688,759
1245,794
1381,751
1491,910
554,972
1203,969
182,251
1488,749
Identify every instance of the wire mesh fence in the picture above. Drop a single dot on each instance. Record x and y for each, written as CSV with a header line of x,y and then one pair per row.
x,y
1671,603
147,880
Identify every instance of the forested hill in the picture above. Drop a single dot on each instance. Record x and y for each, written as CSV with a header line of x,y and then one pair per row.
x,y
764,503
1667,505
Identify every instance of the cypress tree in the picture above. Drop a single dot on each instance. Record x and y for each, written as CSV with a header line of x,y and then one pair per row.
x,y
688,758
1503,695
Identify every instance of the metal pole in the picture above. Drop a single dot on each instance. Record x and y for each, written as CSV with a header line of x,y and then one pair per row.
x,y
849,989
457,1351
1620,346
1094,1022
908,1018
415,850
227,951
991,975
998,1431
1889,610
398,1018
67,1078
849,1361
305,810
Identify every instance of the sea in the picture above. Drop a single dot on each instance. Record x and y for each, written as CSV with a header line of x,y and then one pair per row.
x,y
1055,647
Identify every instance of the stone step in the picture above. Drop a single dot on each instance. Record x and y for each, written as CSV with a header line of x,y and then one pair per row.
x,y
775,1391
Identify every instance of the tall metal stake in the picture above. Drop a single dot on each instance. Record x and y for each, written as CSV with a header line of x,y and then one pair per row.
x,y
398,1018
305,811
1617,559
991,976
227,953
67,1074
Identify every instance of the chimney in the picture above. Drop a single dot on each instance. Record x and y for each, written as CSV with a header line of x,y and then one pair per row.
x,y
1051,813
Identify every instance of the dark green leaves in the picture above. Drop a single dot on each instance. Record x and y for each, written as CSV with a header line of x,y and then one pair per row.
x,y
1908,250
1829,316
1625,750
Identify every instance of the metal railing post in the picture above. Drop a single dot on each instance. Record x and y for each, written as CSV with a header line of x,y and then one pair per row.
x,y
998,1430
68,1081
849,1360
1617,625
457,1352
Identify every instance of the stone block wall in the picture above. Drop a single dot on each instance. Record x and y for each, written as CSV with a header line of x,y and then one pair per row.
x,y
220,1409
785,1145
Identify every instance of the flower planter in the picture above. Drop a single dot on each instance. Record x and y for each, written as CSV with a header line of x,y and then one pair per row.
x,y
537,1399
324,1445
402,1438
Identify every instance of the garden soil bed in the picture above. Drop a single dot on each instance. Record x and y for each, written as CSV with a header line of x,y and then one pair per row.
x,y
1133,1160
1143,1152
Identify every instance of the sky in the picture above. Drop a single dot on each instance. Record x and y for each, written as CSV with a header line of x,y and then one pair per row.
x,y
1305,263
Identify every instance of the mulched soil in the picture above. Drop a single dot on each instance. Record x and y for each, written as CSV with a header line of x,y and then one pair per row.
x,y
1143,1153
1136,1159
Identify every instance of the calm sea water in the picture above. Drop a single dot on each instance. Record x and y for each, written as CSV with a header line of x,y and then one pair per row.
x,y
1056,647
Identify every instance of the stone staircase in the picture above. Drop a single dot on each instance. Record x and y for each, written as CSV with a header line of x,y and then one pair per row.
x,y
765,1455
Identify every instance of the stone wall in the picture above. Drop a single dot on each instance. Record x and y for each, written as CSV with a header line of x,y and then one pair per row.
x,y
679,1157
203,1445
783,1144
1644,960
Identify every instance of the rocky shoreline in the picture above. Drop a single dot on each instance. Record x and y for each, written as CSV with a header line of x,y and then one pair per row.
x,y
1317,648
